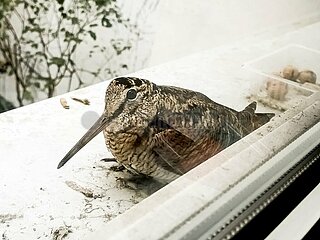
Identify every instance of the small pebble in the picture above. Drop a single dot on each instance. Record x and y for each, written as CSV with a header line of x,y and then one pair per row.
x,y
64,103
307,76
276,89
290,73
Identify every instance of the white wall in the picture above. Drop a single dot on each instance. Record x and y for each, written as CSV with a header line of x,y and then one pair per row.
x,y
185,27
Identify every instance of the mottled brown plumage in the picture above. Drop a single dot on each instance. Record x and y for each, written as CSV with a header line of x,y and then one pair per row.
x,y
163,131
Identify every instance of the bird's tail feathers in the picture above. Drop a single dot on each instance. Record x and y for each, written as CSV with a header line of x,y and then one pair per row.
x,y
257,119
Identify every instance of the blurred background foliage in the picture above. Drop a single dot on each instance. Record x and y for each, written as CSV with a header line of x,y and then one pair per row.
x,y
40,41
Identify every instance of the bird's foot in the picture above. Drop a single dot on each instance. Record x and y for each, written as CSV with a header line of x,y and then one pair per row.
x,y
133,182
117,168
108,160
143,184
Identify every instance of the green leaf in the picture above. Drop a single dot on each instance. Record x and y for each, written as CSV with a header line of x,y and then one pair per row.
x,y
34,45
106,22
37,29
57,61
101,3
31,20
74,20
39,53
77,40
27,95
36,84
26,29
5,105
93,35
69,34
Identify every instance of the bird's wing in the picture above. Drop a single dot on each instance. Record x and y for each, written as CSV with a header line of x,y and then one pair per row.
x,y
203,130
170,145
197,129
179,153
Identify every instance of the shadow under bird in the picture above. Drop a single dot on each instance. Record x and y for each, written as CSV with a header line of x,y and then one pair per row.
x,y
163,131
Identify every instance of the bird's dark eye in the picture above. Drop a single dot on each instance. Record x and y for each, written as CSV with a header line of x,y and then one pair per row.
x,y
131,94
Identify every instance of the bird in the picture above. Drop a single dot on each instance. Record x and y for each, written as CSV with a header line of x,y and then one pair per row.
x,y
163,132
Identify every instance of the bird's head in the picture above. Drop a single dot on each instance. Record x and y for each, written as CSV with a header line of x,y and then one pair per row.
x,y
130,105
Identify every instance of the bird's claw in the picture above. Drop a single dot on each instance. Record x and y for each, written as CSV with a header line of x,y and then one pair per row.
x,y
117,168
125,183
108,160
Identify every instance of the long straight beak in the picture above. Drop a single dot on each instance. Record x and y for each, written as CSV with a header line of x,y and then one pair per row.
x,y
97,127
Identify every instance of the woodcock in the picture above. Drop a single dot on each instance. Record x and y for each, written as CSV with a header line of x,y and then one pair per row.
x,y
163,131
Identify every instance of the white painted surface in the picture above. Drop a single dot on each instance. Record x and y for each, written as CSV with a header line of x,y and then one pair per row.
x,y
186,27
37,199
300,220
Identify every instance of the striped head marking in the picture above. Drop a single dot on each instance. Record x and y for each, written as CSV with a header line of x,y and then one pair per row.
x,y
126,95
